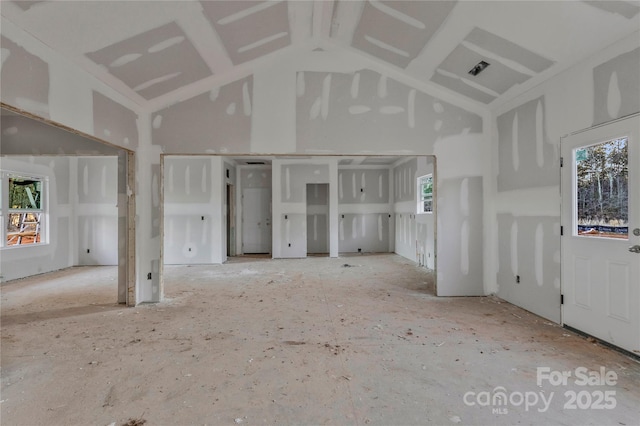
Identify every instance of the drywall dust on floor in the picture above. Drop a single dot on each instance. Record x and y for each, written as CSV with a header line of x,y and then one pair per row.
x,y
354,340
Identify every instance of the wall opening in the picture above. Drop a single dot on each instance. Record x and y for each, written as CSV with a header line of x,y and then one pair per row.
x,y
90,213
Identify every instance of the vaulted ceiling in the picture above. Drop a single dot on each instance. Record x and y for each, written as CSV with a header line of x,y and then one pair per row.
x,y
155,51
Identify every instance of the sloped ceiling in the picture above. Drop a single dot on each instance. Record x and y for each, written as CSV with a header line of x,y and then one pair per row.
x,y
154,51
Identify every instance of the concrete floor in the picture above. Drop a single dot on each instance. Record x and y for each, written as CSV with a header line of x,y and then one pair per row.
x,y
294,342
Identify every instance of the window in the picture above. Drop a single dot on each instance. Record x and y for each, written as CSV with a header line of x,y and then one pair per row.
x,y
425,194
602,190
25,210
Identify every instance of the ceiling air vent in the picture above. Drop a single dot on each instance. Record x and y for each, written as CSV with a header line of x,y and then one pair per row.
x,y
478,68
255,163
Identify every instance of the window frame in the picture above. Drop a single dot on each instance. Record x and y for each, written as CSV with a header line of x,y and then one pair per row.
x,y
421,198
6,211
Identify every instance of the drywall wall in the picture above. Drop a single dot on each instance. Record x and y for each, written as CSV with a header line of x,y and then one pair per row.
x,y
415,233
188,210
364,209
218,121
95,209
525,151
195,209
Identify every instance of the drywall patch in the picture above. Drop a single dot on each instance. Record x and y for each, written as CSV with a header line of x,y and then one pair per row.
x,y
24,79
203,123
114,122
526,156
616,87
372,119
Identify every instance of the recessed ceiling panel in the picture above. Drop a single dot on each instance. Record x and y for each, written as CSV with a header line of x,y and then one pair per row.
x,y
507,50
496,77
155,62
249,30
397,31
509,65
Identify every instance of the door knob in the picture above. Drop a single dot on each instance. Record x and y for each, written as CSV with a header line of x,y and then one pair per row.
x,y
635,249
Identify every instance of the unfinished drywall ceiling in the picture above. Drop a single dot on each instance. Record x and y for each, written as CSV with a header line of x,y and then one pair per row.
x,y
396,32
158,52
508,65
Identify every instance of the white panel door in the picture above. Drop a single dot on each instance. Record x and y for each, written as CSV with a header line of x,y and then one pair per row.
x,y
601,232
256,220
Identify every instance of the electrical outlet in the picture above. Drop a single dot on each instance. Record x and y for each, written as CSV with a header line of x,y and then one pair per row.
x,y
149,276
518,279
88,250
289,244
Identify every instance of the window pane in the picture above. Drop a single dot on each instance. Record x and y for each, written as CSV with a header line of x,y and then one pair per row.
x,y
23,228
25,193
602,190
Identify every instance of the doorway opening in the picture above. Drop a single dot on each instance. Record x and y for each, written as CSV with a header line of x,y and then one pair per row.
x,y
318,219
86,216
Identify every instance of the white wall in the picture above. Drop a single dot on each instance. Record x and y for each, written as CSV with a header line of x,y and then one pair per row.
x,y
95,210
526,182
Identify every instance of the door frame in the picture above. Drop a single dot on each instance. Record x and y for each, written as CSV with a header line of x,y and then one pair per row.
x,y
566,203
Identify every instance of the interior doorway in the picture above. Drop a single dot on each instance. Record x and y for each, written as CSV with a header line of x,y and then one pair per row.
x,y
88,213
601,232
318,218
256,220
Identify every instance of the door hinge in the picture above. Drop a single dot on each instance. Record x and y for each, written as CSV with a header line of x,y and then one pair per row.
x,y
562,299
561,230
561,161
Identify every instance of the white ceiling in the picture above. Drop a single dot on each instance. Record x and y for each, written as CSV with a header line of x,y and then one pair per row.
x,y
155,51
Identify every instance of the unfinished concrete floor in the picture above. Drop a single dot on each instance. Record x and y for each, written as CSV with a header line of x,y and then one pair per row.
x,y
290,342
